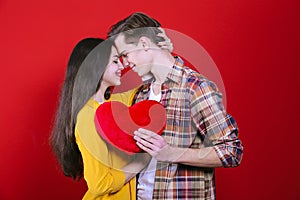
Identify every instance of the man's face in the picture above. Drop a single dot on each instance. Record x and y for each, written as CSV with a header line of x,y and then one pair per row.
x,y
134,56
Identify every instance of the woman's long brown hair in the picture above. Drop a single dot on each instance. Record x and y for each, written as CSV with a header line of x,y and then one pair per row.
x,y
86,66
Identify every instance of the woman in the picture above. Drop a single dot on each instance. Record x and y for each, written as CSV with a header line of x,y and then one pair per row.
x,y
109,173
92,69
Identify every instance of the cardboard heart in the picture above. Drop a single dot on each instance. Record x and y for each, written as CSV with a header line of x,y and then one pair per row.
x,y
115,122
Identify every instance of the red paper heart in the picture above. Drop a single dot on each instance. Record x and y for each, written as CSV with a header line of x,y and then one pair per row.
x,y
115,122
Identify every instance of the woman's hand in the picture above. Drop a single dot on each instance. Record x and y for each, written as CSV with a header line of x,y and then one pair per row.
x,y
138,162
166,44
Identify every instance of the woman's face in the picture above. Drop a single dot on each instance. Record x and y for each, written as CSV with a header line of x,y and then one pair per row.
x,y
112,74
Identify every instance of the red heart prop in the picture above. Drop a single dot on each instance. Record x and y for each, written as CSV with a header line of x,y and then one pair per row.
x,y
115,122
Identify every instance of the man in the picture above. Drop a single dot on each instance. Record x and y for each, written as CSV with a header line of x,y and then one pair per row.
x,y
199,134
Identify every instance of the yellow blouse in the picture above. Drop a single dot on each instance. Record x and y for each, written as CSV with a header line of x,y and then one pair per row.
x,y
102,162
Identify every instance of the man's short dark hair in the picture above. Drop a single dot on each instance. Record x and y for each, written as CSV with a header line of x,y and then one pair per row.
x,y
135,26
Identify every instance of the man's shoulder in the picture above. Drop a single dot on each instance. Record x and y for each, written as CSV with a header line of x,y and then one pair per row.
x,y
188,71
193,76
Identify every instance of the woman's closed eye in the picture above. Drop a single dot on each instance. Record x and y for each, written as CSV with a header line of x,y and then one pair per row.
x,y
116,61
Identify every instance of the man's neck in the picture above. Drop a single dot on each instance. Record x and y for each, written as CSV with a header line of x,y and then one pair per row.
x,y
162,65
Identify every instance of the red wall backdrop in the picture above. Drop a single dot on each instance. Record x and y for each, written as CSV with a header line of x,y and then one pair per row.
x,y
254,44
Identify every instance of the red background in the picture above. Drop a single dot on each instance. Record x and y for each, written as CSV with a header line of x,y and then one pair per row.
x,y
254,44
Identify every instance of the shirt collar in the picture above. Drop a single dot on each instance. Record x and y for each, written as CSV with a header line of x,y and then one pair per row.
x,y
176,72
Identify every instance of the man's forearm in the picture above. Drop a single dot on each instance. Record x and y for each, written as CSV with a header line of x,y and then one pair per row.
x,y
204,157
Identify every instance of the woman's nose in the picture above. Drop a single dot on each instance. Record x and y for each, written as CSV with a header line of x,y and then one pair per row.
x,y
121,67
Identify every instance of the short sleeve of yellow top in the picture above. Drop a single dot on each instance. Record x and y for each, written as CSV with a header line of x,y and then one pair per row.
x,y
101,161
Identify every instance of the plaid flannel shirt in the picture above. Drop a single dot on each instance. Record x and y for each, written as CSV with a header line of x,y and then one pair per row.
x,y
196,118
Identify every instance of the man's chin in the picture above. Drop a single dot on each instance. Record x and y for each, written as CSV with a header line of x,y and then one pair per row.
x,y
146,77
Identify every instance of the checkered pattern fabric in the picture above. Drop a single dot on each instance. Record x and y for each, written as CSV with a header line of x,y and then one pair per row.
x,y
196,118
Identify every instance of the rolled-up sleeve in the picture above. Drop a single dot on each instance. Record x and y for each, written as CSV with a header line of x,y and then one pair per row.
x,y
217,128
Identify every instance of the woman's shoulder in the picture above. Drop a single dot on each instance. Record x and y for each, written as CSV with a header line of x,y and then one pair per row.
x,y
87,112
125,97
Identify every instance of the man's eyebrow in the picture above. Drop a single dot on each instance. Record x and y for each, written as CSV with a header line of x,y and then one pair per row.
x,y
122,53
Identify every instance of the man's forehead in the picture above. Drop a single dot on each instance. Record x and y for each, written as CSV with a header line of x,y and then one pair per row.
x,y
121,44
120,39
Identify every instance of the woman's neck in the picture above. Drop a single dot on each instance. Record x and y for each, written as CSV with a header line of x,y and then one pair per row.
x,y
99,95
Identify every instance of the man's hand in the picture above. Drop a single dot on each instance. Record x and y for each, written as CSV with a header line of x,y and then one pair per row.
x,y
158,148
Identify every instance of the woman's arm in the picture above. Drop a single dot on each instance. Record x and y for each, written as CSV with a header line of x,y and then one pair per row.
x,y
100,178
140,160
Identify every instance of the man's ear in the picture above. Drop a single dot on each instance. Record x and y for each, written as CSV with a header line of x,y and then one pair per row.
x,y
145,42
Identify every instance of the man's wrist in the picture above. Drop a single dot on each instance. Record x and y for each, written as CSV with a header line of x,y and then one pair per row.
x,y
175,154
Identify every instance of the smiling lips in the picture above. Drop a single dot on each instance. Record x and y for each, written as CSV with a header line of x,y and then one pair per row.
x,y
118,73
